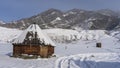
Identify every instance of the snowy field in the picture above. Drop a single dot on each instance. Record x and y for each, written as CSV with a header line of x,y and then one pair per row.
x,y
9,62
89,54
93,60
80,53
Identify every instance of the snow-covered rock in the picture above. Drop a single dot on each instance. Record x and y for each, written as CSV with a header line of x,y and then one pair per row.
x,y
55,20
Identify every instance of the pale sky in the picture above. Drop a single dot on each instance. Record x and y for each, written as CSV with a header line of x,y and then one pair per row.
x,y
16,9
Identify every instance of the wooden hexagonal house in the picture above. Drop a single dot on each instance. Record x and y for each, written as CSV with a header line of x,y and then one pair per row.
x,y
33,42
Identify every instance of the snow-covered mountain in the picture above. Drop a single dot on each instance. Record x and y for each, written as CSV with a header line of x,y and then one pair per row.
x,y
53,18
107,12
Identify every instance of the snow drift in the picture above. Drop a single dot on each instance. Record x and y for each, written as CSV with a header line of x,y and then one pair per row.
x,y
115,34
8,34
62,35
57,34
98,60
93,34
65,35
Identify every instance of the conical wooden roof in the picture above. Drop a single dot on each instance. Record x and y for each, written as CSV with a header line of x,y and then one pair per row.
x,y
34,28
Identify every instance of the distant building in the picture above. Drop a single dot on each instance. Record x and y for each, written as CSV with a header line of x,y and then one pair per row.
x,y
33,42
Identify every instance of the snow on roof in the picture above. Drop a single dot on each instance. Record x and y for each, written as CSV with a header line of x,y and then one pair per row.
x,y
34,28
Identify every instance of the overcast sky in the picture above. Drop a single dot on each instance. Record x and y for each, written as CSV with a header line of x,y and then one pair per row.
x,y
17,9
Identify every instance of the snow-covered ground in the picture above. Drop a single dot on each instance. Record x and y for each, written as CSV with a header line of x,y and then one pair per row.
x,y
62,35
9,62
84,52
57,35
116,34
93,60
84,48
109,45
7,34
65,35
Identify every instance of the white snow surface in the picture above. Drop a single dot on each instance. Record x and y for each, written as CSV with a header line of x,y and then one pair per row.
x,y
93,60
81,53
56,34
7,34
93,34
62,35
34,28
85,54
115,34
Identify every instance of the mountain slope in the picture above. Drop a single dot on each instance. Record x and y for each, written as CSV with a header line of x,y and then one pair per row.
x,y
83,19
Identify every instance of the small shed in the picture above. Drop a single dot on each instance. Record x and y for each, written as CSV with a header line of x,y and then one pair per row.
x,y
33,42
99,45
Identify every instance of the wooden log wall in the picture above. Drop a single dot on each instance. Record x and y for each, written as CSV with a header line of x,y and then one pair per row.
x,y
43,51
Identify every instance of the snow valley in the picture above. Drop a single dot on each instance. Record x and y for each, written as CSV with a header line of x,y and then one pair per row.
x,y
74,49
